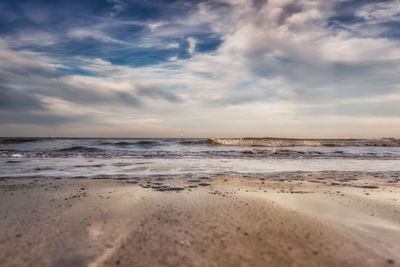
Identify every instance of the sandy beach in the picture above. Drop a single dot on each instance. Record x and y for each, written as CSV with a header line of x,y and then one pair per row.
x,y
281,219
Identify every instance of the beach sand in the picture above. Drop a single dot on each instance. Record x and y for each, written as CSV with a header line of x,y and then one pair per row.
x,y
282,219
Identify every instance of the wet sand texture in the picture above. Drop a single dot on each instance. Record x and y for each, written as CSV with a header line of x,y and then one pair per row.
x,y
283,219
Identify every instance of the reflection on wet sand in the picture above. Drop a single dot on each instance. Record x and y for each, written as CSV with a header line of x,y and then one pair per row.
x,y
283,218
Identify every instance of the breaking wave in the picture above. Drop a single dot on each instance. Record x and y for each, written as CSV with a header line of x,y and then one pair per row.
x,y
274,148
282,142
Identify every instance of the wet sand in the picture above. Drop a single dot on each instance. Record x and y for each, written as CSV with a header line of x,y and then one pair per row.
x,y
281,219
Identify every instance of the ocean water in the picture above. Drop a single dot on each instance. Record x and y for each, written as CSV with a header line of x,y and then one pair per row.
x,y
128,157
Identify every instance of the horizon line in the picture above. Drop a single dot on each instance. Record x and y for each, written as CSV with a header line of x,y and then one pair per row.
x,y
247,137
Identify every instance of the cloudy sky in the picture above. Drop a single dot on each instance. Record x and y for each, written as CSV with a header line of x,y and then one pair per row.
x,y
134,68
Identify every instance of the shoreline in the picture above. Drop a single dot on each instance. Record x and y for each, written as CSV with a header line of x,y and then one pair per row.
x,y
286,219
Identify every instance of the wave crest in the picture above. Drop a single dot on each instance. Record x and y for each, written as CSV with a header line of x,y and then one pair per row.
x,y
282,142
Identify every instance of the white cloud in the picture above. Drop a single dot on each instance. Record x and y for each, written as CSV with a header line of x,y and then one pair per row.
x,y
37,38
153,26
173,45
380,12
81,33
192,45
118,6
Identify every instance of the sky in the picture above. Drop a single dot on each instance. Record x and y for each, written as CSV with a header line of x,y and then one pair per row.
x,y
218,68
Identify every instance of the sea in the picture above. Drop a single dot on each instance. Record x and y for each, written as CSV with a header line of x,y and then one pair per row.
x,y
137,157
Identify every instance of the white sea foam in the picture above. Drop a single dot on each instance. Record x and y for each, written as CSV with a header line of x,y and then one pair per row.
x,y
282,142
122,167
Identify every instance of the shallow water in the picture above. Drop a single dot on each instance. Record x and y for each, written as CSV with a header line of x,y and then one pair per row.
x,y
136,157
